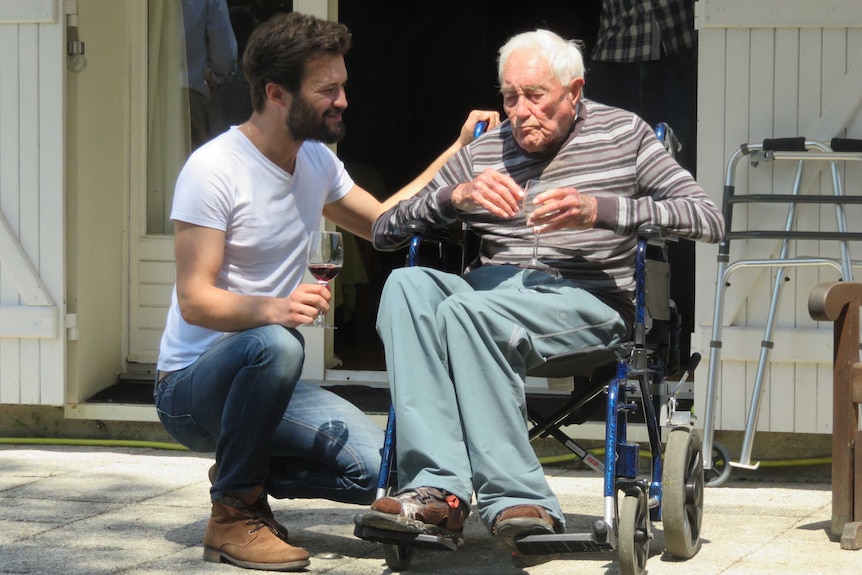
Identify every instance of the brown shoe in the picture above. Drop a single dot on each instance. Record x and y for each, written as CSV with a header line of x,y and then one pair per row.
x,y
260,507
420,510
236,534
522,520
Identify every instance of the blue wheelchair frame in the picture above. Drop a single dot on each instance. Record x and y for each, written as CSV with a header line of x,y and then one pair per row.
x,y
640,374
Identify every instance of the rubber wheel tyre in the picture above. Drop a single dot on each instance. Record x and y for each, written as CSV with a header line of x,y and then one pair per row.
x,y
720,471
682,493
633,545
397,557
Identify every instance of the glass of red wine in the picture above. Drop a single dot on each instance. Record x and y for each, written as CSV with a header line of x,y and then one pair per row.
x,y
325,258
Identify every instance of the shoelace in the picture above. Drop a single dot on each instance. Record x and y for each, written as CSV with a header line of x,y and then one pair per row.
x,y
259,524
262,512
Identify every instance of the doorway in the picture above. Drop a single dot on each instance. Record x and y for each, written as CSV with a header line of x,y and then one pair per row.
x,y
416,69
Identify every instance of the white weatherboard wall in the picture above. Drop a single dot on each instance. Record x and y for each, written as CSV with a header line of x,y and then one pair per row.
x,y
773,69
32,332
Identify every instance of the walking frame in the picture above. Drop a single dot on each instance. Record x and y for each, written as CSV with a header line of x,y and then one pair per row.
x,y
788,149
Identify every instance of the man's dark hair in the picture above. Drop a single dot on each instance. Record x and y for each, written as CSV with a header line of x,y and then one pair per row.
x,y
279,49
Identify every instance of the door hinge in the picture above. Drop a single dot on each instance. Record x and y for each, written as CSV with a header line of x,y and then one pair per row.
x,y
72,326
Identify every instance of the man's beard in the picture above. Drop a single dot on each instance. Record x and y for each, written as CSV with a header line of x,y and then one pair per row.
x,y
304,124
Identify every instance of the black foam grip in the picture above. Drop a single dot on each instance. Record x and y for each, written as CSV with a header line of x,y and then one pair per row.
x,y
784,144
846,145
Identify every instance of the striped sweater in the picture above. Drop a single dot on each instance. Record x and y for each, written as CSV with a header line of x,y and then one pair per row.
x,y
612,155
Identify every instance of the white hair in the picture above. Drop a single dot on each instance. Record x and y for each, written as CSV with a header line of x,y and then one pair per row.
x,y
563,56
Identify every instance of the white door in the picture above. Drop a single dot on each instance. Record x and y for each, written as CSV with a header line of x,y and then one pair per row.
x,y
775,69
159,147
32,226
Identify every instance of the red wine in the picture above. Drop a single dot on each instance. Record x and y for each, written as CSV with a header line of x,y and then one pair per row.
x,y
324,272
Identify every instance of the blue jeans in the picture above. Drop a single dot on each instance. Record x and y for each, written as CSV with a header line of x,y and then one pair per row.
x,y
243,400
457,352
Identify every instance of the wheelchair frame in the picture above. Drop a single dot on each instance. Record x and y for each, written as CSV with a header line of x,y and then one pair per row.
x,y
673,491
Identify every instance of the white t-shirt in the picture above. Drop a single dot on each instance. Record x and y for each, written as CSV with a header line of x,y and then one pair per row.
x,y
267,215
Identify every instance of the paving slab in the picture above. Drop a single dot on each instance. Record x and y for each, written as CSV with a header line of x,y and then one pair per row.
x,y
97,511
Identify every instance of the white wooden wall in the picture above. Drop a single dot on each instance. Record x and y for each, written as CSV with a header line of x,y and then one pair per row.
x,y
32,333
775,68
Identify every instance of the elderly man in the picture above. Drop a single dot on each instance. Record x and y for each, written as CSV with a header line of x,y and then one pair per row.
x,y
458,347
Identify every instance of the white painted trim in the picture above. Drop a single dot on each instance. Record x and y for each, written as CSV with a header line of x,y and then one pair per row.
x,y
355,377
380,380
111,412
791,345
590,430
18,265
17,321
28,11
777,14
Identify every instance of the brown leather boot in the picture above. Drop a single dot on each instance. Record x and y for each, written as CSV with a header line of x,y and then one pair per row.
x,y
236,534
260,508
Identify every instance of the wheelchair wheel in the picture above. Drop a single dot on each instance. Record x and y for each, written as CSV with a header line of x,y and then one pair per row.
x,y
633,541
397,557
682,493
721,468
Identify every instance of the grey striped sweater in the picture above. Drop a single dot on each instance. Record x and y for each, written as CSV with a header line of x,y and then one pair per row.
x,y
612,155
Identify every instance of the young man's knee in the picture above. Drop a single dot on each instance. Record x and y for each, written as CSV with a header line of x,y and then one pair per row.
x,y
280,347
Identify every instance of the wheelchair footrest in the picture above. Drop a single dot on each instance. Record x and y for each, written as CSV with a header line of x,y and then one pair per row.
x,y
561,543
428,541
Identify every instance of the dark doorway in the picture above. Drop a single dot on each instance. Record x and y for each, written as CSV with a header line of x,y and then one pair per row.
x,y
416,70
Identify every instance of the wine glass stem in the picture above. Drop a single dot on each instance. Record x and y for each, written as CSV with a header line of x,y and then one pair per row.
x,y
321,318
535,248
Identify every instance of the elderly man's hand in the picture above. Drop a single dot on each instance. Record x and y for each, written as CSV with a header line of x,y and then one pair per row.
x,y
563,208
496,192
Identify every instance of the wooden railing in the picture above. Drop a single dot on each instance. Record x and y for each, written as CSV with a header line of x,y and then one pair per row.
x,y
839,303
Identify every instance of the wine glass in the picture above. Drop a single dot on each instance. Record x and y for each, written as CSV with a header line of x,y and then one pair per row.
x,y
325,258
532,189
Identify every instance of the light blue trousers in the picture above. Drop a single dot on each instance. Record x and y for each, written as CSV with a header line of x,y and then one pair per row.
x,y
457,351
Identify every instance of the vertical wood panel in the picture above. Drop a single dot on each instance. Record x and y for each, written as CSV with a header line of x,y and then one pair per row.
x,y
809,98
10,388
734,394
32,371
711,86
29,190
52,210
732,386
780,401
782,398
805,409
852,171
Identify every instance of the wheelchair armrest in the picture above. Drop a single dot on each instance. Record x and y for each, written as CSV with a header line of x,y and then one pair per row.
x,y
656,234
424,229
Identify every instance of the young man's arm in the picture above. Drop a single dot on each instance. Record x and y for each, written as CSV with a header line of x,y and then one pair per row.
x,y
199,257
357,211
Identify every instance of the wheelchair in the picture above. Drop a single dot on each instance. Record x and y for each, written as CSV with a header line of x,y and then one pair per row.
x,y
634,377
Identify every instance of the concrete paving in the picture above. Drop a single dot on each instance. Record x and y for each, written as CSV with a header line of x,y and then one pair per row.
x,y
93,511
